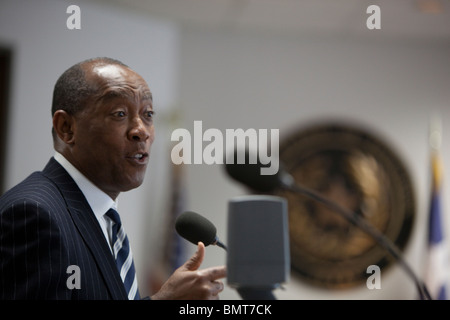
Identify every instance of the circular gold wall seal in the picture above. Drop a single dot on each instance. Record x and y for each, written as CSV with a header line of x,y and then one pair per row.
x,y
360,173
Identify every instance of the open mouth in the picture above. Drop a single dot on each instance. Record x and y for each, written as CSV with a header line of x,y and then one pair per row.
x,y
140,158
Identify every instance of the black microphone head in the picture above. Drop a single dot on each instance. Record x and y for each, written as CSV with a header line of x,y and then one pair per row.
x,y
194,228
249,173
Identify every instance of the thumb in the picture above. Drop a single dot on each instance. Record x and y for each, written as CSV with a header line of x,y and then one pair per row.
x,y
196,260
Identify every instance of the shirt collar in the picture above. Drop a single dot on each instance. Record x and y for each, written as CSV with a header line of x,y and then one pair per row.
x,y
99,201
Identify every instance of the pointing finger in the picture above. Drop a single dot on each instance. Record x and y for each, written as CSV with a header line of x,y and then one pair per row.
x,y
214,273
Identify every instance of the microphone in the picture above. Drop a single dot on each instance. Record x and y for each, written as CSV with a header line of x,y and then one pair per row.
x,y
195,228
249,175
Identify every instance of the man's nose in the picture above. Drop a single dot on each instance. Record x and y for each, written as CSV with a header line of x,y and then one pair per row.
x,y
138,130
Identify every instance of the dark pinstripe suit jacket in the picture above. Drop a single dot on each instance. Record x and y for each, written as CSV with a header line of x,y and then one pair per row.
x,y
46,225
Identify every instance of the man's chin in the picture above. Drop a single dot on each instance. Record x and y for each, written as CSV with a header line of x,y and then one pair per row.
x,y
132,184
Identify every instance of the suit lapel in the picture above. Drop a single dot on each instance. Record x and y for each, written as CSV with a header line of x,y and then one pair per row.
x,y
88,227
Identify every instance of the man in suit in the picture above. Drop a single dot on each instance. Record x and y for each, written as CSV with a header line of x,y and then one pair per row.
x,y
55,219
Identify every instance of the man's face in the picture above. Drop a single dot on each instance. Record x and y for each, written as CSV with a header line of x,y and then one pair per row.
x,y
115,130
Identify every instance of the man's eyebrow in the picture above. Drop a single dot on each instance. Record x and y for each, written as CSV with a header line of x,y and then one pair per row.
x,y
147,95
114,94
123,94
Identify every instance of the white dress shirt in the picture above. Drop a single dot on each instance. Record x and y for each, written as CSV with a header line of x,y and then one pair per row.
x,y
99,201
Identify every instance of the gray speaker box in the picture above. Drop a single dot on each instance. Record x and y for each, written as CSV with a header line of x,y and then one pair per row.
x,y
258,242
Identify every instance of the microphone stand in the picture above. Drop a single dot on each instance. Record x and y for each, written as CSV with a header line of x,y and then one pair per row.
x,y
288,183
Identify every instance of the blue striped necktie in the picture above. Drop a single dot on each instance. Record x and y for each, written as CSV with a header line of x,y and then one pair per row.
x,y
123,257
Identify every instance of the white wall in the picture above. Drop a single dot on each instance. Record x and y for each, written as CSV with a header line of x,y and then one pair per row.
x,y
249,80
44,48
230,80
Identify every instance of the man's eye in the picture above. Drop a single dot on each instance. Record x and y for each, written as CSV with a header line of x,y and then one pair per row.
x,y
149,114
120,114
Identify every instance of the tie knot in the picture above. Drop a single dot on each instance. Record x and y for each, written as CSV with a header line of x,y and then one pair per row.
x,y
113,215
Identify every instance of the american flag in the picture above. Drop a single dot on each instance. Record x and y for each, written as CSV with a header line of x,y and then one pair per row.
x,y
437,269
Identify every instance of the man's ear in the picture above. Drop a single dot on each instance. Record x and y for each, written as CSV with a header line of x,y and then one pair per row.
x,y
63,124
